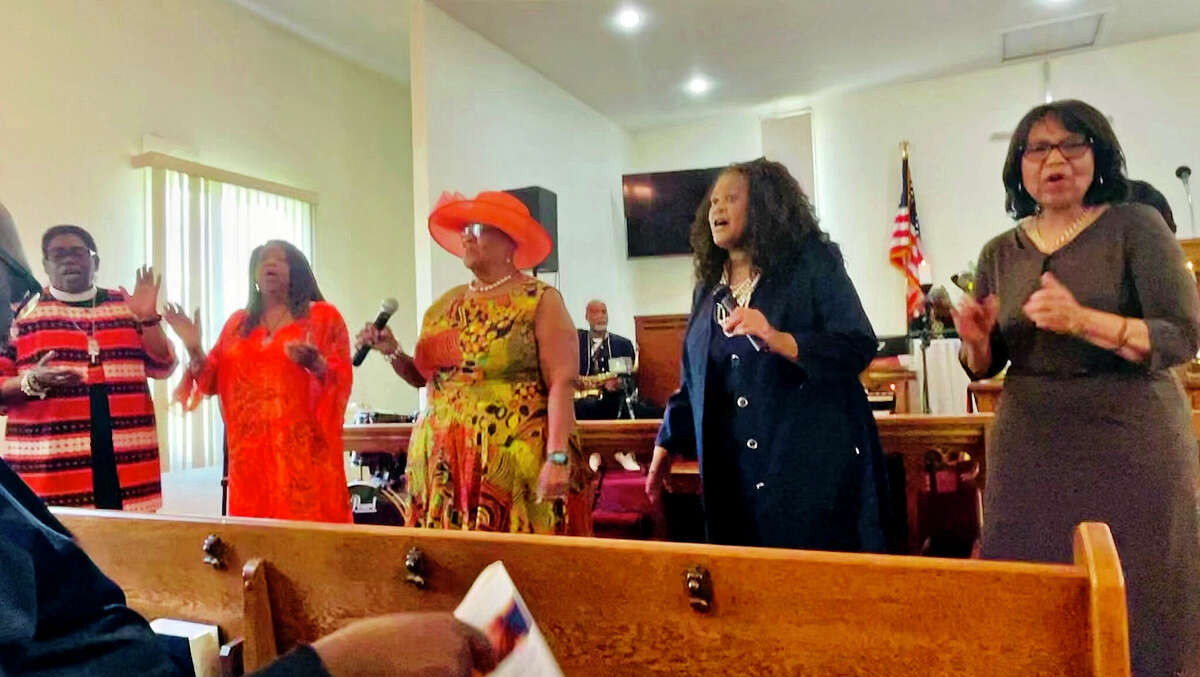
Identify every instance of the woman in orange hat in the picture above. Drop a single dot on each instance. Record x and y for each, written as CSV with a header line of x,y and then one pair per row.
x,y
494,450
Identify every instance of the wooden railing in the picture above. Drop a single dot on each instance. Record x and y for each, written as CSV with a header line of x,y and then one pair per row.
x,y
911,436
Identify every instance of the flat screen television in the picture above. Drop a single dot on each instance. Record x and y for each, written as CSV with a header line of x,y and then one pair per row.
x,y
660,207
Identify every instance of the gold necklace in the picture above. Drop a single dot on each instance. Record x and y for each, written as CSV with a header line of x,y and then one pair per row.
x,y
278,322
1036,232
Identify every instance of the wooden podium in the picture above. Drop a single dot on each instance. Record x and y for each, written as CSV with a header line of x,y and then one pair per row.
x,y
660,352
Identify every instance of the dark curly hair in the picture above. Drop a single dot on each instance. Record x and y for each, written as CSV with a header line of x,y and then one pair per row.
x,y
302,285
779,220
1142,192
1108,184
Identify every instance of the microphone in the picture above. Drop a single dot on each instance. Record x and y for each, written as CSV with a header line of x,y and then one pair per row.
x,y
386,309
1182,172
724,298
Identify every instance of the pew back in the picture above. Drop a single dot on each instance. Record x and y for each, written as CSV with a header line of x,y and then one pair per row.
x,y
622,607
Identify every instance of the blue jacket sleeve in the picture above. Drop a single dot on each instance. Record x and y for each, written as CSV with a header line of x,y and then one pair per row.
x,y
678,432
841,342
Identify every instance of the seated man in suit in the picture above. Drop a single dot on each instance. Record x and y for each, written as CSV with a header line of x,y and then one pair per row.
x,y
597,348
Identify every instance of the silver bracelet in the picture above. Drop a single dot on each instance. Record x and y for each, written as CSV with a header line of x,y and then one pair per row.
x,y
394,355
32,387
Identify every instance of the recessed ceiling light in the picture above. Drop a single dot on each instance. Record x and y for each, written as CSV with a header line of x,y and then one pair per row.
x,y
628,19
698,85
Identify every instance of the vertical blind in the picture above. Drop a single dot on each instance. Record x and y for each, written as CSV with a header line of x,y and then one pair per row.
x,y
201,233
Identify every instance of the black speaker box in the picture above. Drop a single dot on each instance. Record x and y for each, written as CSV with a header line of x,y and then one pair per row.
x,y
543,205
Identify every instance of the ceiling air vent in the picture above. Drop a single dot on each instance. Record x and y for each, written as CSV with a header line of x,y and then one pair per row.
x,y
1061,35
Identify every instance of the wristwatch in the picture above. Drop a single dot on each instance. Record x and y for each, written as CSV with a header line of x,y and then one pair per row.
x,y
558,457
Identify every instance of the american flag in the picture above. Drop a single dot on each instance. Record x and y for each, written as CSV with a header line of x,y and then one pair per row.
x,y
905,253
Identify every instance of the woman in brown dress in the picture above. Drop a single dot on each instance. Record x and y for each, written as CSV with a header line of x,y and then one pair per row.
x,y
1089,300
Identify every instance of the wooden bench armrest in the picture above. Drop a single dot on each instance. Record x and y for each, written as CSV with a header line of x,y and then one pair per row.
x,y
259,645
1096,554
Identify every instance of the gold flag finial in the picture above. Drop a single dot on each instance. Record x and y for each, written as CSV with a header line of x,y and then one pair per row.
x,y
904,149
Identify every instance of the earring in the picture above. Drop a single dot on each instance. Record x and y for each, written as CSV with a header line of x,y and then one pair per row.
x,y
1101,179
1020,188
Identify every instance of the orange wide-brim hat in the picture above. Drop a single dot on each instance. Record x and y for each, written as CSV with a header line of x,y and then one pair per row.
x,y
491,208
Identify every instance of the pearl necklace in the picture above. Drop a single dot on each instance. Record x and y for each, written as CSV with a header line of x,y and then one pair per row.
x,y
480,288
1035,233
743,290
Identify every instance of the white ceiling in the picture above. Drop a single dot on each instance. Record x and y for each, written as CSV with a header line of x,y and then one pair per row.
x,y
755,51
372,33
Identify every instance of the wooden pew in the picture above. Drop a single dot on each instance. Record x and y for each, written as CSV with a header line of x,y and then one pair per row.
x,y
911,436
612,607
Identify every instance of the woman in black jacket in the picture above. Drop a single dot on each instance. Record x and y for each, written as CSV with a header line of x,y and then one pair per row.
x,y
770,400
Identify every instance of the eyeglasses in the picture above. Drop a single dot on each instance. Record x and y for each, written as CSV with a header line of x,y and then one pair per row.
x,y
1071,148
475,230
64,253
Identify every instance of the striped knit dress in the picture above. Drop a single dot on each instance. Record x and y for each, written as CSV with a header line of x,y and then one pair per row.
x,y
96,444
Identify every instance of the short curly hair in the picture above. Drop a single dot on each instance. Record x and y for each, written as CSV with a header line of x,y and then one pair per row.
x,y
1109,184
66,229
779,220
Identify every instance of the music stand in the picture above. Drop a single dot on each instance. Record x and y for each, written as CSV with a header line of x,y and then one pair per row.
x,y
224,475
623,368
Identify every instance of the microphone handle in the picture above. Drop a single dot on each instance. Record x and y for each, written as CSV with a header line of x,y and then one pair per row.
x,y
754,343
360,355
729,308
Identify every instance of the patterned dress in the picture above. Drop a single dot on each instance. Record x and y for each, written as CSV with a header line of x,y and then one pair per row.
x,y
94,445
478,448
283,425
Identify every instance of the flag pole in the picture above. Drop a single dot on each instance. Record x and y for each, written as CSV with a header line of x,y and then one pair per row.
x,y
926,329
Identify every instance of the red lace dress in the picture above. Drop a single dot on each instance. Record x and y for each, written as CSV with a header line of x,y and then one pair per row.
x,y
283,425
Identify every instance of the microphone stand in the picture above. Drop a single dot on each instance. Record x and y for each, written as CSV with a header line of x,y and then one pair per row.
x,y
627,392
1187,188
926,336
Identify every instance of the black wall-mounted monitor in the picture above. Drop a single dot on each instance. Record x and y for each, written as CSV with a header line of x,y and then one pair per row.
x,y
660,207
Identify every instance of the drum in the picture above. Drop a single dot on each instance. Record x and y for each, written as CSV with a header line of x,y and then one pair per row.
x,y
373,504
379,499
622,366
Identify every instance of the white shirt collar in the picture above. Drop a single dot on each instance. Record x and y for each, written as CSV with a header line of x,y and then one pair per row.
x,y
68,297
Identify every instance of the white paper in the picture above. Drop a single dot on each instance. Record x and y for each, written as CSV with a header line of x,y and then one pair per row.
x,y
494,606
202,640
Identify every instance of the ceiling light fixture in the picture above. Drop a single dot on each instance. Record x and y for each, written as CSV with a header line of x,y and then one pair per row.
x,y
698,85
628,19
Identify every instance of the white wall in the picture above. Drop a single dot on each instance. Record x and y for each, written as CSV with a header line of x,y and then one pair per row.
x,y
1151,90
84,81
789,140
663,285
955,168
485,121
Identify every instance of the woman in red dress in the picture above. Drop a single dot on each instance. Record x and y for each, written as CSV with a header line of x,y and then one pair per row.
x,y
281,368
